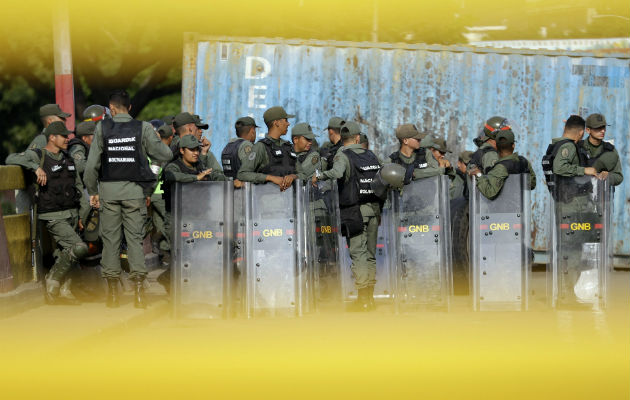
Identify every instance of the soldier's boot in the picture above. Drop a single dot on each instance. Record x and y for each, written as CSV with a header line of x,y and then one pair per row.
x,y
362,303
164,279
370,298
138,298
65,294
51,295
112,293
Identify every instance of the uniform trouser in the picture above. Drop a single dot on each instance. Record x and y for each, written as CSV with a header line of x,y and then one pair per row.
x,y
362,249
116,216
159,216
65,235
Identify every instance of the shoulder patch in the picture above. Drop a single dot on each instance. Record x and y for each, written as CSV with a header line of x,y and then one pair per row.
x,y
247,149
336,158
77,156
252,156
315,159
565,152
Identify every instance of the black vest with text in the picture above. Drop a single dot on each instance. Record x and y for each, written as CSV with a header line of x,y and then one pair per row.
x,y
59,193
281,158
230,160
122,158
419,163
357,190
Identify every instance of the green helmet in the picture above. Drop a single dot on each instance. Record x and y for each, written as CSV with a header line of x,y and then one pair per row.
x,y
94,112
494,125
390,176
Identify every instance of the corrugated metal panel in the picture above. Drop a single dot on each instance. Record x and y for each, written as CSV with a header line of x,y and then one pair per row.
x,y
446,90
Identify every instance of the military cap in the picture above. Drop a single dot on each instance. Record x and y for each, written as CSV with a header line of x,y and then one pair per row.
x,y
350,128
57,128
198,122
85,128
275,113
168,120
505,137
303,129
595,121
246,121
52,109
427,141
165,131
189,142
184,118
364,139
335,123
406,131
465,156
439,144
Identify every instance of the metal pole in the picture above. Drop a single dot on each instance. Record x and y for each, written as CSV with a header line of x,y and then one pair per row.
x,y
64,87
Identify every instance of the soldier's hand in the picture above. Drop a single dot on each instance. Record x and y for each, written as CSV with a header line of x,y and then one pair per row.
x,y
287,181
444,163
94,201
238,184
147,201
41,177
314,180
202,175
205,146
590,171
602,175
474,171
276,180
80,225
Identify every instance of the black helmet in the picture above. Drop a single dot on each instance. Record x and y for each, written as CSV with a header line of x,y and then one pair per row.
x,y
94,112
494,125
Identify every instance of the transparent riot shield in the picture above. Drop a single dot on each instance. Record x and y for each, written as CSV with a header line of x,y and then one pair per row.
x,y
499,246
385,281
325,241
202,272
581,257
422,245
276,272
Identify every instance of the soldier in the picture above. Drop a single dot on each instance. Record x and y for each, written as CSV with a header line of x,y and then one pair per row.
x,y
364,141
186,168
486,155
509,162
56,196
412,156
119,180
308,161
79,146
600,154
186,124
48,114
238,149
459,185
354,168
272,158
329,149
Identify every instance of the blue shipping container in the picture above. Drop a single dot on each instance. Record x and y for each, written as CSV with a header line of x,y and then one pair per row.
x,y
449,91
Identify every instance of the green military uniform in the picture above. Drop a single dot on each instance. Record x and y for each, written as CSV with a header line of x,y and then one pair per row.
x,y
307,161
257,160
122,202
362,247
62,225
609,161
487,161
40,141
244,149
490,184
79,154
456,189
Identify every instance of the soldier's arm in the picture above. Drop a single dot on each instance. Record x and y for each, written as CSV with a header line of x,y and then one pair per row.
x,y
84,205
532,176
27,159
90,175
610,162
340,165
155,149
173,174
490,184
488,160
562,164
210,161
256,158
78,157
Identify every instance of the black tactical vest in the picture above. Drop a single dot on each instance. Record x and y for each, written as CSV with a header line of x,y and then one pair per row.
x,y
563,188
419,163
60,192
122,158
230,160
281,159
477,156
363,168
166,185
329,154
515,167
77,141
590,161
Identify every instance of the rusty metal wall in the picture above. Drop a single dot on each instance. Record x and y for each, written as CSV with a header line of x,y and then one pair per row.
x,y
446,90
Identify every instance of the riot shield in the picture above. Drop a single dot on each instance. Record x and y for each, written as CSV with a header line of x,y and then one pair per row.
x,y
499,246
385,281
325,241
276,272
422,244
581,256
202,283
